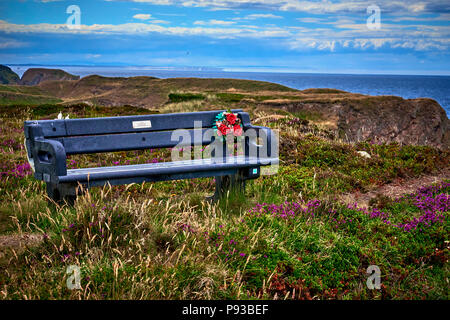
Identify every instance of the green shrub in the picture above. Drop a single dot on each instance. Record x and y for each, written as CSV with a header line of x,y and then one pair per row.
x,y
181,97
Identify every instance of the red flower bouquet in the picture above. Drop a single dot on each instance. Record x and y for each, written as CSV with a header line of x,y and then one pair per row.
x,y
228,123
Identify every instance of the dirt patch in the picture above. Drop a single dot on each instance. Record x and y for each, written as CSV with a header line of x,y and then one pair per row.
x,y
20,241
11,245
273,117
5,221
396,189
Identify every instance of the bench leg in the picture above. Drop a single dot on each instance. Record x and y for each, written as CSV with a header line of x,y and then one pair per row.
x,y
63,192
227,183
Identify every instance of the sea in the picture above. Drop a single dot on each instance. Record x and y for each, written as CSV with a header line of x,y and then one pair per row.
x,y
406,86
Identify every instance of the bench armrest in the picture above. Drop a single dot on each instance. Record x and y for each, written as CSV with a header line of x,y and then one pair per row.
x,y
49,158
269,147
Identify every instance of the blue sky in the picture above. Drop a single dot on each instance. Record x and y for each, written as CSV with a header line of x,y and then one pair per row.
x,y
255,35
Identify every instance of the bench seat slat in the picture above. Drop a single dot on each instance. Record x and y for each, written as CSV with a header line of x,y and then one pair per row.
x,y
131,141
110,125
164,177
162,168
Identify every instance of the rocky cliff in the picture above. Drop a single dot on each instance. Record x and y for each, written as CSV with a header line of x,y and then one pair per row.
x,y
379,119
35,76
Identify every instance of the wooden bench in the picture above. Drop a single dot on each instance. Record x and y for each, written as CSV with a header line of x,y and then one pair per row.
x,y
49,142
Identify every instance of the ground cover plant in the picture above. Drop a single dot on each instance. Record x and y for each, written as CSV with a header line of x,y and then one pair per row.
x,y
291,236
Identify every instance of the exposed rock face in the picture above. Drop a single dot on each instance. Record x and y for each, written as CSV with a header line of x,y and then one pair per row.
x,y
35,76
383,119
7,76
415,121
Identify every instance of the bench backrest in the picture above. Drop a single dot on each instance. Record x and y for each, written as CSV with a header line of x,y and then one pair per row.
x,y
109,134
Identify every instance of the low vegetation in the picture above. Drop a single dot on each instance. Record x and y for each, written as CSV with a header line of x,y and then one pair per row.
x,y
181,97
290,236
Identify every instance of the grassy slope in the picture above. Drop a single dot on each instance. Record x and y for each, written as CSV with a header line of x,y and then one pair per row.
x,y
24,95
144,91
153,92
162,241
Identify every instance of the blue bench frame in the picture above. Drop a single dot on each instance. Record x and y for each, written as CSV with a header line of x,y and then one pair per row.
x,y
48,142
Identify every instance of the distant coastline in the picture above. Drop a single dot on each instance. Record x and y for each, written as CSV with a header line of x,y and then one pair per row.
x,y
244,69
405,86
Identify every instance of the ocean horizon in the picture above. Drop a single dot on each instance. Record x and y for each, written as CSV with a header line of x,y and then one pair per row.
x,y
436,87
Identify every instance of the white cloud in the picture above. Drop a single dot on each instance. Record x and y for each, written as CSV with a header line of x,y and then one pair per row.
x,y
157,2
160,21
339,35
9,43
262,16
144,28
311,20
213,22
316,7
257,16
142,16
147,16
364,44
440,17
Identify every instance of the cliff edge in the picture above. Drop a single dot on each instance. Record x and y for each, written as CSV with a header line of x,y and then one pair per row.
x,y
7,76
34,76
379,119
